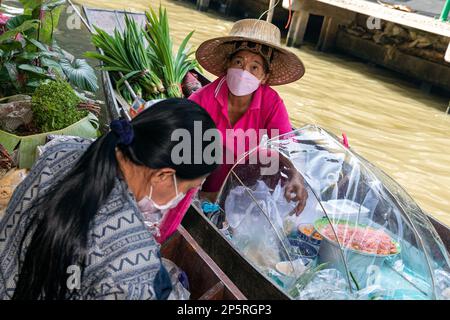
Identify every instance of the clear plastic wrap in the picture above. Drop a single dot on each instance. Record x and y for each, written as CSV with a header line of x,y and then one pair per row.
x,y
328,284
357,222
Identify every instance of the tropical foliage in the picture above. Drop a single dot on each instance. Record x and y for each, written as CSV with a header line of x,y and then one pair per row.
x,y
25,61
145,57
172,68
47,12
32,63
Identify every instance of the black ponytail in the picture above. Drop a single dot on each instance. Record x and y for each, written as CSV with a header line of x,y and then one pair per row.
x,y
63,216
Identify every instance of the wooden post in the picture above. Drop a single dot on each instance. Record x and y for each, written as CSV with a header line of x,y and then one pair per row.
x,y
328,34
271,10
297,29
202,5
325,23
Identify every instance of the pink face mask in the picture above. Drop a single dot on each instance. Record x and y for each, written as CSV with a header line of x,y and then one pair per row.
x,y
241,82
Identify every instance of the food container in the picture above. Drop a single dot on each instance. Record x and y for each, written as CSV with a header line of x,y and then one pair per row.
x,y
287,272
291,269
344,209
309,234
302,250
362,266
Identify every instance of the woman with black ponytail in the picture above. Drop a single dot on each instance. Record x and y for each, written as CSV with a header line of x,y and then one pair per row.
x,y
86,222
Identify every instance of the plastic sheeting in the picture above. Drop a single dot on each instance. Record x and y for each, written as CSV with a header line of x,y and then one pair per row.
x,y
360,235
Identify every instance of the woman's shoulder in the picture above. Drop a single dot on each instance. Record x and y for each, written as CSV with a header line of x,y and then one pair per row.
x,y
120,248
68,143
269,94
55,153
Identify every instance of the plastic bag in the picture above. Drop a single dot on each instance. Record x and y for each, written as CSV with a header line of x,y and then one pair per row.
x,y
180,285
328,284
374,292
252,232
240,205
442,284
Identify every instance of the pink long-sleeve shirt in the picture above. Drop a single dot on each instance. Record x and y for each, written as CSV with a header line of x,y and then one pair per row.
x,y
266,111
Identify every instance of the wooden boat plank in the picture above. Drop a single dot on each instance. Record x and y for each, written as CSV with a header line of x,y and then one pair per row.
x,y
215,293
202,271
250,281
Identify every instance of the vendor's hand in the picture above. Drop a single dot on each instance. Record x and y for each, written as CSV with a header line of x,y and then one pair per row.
x,y
295,191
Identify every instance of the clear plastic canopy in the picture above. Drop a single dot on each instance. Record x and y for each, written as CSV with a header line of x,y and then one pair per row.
x,y
360,236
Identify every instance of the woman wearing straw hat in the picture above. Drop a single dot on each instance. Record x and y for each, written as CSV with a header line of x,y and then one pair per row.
x,y
248,62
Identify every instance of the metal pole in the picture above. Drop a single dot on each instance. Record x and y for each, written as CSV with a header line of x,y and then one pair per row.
x,y
272,9
445,11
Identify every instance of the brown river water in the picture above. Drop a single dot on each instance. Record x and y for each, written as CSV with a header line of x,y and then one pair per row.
x,y
387,119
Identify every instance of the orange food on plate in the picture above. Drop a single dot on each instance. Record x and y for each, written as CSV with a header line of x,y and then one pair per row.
x,y
309,231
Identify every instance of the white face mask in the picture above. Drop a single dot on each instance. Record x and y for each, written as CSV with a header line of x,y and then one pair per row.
x,y
147,205
241,82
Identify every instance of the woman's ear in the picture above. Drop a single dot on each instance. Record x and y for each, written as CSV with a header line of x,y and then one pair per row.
x,y
265,78
161,175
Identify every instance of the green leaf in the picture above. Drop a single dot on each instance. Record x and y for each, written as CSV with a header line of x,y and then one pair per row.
x,y
10,46
52,4
13,74
30,4
17,21
49,21
86,128
33,69
80,74
27,25
53,65
34,84
9,141
37,44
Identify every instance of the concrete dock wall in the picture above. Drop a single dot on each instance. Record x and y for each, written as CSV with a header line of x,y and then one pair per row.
x,y
390,57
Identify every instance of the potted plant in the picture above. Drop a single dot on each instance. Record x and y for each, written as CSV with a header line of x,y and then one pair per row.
x,y
37,95
55,109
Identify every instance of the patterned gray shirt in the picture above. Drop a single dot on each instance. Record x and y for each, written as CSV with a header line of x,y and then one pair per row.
x,y
123,260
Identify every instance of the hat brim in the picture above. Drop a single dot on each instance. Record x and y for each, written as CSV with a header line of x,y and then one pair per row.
x,y
285,67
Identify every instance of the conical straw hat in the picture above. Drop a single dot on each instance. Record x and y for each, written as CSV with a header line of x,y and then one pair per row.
x,y
285,66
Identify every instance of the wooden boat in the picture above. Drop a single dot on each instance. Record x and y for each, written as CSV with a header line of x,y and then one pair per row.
x,y
208,239
207,281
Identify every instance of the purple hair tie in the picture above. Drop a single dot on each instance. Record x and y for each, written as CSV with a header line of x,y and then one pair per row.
x,y
124,130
